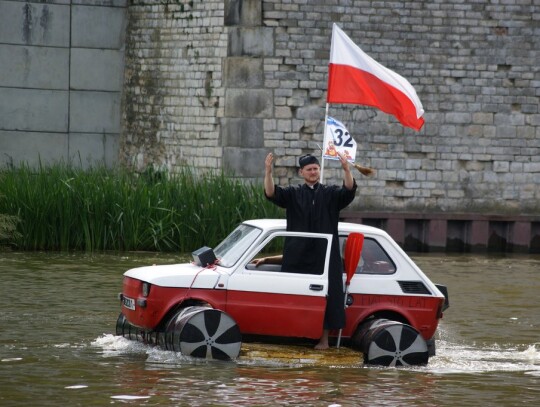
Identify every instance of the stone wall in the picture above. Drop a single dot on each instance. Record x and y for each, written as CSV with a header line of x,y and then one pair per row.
x,y
61,77
173,93
218,84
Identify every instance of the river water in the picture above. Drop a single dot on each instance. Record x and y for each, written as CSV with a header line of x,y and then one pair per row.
x,y
57,344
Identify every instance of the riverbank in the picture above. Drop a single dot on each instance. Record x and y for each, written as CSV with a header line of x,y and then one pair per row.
x,y
61,207
456,232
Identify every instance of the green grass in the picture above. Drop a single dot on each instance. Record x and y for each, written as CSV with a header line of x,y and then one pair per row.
x,y
65,208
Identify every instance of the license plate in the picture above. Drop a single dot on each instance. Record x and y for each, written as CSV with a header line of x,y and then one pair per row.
x,y
129,303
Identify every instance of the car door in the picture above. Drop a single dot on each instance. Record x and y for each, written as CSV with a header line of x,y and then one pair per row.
x,y
279,300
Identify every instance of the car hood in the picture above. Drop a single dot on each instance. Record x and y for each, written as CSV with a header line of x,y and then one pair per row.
x,y
178,275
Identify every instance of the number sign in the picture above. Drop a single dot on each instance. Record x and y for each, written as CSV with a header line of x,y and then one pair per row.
x,y
337,138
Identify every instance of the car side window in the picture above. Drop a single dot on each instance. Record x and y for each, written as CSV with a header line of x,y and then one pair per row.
x,y
373,260
291,254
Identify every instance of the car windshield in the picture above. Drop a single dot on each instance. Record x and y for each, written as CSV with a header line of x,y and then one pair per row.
x,y
236,244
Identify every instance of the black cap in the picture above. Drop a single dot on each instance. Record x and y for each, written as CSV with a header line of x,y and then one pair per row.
x,y
307,159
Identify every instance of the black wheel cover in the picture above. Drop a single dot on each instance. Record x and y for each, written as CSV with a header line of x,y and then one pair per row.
x,y
210,334
397,345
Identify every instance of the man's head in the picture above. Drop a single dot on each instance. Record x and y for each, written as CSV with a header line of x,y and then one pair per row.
x,y
307,159
310,169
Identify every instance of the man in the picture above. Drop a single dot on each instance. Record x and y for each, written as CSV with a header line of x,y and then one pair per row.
x,y
314,207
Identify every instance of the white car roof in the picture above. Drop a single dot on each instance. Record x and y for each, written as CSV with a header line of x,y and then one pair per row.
x,y
281,224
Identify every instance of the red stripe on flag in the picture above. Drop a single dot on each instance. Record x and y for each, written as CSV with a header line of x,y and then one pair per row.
x,y
347,84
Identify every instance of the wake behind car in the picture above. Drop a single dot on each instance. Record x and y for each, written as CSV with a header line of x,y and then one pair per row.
x,y
205,308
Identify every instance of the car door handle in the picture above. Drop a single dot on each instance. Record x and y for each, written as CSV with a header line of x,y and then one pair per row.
x,y
316,287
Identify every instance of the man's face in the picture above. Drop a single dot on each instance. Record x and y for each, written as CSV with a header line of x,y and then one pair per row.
x,y
311,173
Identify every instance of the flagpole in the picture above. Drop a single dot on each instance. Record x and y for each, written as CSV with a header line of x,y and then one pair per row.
x,y
322,149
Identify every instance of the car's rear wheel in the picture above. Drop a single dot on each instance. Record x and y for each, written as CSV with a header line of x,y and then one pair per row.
x,y
204,333
390,343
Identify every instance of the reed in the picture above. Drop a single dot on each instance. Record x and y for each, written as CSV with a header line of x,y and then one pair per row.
x,y
65,208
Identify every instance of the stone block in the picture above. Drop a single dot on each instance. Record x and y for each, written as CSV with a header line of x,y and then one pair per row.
x,y
284,126
435,176
534,119
243,12
501,166
32,148
244,162
513,119
458,117
34,24
111,3
506,131
96,69
311,112
243,72
516,167
446,130
94,112
283,112
413,164
459,194
98,27
532,167
243,133
33,110
248,103
34,67
252,41
444,165
395,164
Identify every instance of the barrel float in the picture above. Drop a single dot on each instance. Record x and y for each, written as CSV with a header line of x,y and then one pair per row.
x,y
120,324
390,343
204,333
127,330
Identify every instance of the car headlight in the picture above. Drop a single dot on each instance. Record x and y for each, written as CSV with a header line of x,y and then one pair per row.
x,y
145,289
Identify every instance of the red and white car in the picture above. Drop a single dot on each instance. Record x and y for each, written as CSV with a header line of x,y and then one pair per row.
x,y
205,308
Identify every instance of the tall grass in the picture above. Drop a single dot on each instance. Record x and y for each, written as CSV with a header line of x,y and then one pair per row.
x,y
65,208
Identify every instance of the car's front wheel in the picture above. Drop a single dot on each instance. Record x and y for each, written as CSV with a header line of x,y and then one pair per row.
x,y
203,332
390,343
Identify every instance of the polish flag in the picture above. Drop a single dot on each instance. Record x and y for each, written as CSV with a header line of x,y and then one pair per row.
x,y
356,78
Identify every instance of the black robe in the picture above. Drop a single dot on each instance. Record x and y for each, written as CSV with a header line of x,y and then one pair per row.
x,y
316,210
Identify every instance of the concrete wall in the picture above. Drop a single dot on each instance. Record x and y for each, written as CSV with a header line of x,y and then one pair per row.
x,y
61,77
218,84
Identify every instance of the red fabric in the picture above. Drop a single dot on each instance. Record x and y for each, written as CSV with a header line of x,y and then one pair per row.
x,y
353,251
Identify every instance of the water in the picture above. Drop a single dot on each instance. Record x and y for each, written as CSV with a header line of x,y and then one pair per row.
x,y
57,345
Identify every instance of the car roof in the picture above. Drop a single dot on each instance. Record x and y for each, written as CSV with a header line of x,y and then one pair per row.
x,y
281,224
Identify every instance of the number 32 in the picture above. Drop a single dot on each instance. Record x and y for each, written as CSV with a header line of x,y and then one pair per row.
x,y
343,138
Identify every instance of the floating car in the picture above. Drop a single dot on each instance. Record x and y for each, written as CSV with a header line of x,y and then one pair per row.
x,y
206,307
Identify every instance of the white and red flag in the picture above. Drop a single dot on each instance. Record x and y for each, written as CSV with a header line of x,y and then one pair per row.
x,y
356,78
